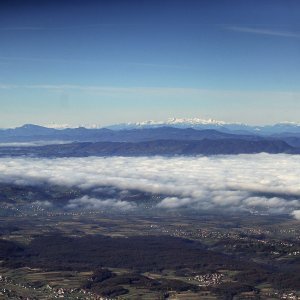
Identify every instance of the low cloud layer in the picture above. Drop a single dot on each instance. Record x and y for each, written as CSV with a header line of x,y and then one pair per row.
x,y
33,143
296,214
241,182
86,202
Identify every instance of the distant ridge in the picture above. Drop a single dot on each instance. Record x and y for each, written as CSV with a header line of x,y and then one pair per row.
x,y
173,129
156,147
198,123
195,123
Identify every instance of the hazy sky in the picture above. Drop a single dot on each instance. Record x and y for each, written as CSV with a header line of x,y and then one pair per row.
x,y
106,61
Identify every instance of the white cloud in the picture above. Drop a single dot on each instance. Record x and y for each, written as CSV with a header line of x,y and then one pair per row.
x,y
175,202
42,203
296,214
86,202
238,182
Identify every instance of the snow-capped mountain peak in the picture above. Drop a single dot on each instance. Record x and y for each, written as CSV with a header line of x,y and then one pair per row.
x,y
175,122
58,126
194,121
288,123
66,126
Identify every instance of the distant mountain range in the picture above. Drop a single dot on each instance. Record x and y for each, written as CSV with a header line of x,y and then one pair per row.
x,y
197,123
30,132
291,128
156,147
150,139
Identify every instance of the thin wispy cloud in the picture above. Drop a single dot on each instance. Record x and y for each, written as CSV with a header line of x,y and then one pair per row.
x,y
32,60
262,31
6,59
44,28
157,65
23,28
44,59
157,91
99,26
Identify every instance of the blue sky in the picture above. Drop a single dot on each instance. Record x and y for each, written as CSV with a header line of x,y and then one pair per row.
x,y
84,62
